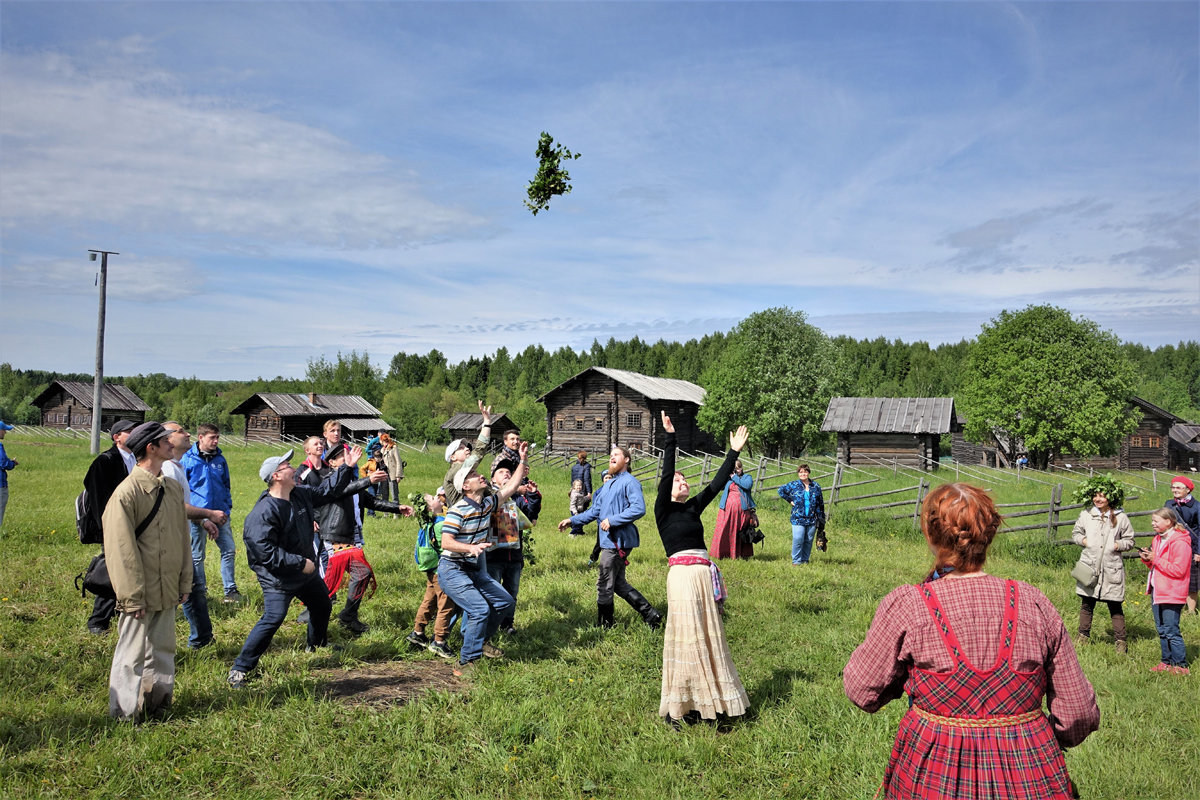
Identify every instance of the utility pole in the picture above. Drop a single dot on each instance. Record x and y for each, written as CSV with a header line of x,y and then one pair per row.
x,y
98,384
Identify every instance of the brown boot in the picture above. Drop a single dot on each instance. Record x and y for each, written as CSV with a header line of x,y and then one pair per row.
x,y
1085,627
1118,623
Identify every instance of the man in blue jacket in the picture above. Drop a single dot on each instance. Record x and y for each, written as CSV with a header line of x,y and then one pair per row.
x,y
6,464
616,504
278,534
208,478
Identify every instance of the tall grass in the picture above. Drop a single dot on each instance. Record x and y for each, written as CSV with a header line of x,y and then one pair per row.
x,y
572,711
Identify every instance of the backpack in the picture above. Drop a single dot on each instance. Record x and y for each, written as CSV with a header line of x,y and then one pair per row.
x,y
85,520
429,546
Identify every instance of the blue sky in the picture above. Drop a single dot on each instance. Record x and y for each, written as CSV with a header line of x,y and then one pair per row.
x,y
287,180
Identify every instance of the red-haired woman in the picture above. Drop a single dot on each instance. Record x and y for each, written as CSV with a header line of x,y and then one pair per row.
x,y
976,655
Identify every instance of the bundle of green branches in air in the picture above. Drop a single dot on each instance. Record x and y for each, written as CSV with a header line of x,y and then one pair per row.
x,y
551,178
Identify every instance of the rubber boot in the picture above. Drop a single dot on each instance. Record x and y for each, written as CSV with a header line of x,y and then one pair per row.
x,y
1085,627
1118,623
604,615
641,605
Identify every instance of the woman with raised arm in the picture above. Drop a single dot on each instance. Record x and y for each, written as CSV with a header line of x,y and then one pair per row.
x,y
699,678
976,654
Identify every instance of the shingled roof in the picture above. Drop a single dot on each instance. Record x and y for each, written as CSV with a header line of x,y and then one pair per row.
x,y
113,396
320,405
652,388
890,415
465,419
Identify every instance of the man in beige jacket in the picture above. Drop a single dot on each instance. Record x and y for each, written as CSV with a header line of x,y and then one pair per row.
x,y
151,573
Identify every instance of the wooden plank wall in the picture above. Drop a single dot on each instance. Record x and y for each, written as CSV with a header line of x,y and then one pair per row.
x,y
907,449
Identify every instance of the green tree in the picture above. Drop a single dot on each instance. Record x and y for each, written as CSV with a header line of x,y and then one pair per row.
x,y
1048,382
776,376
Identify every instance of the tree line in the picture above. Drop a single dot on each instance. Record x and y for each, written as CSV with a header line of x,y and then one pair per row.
x,y
774,369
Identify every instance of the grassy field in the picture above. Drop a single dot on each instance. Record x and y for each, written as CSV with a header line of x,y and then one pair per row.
x,y
570,714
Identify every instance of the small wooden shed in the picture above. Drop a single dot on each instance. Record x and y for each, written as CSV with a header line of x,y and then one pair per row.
x,y
602,407
1147,447
270,416
1184,448
466,426
872,431
68,404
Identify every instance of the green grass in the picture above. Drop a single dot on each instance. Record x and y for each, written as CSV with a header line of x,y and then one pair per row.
x,y
571,713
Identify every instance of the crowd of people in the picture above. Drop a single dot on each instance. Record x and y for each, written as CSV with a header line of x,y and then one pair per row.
x,y
970,731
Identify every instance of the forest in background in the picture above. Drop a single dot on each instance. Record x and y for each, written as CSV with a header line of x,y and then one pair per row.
x,y
417,393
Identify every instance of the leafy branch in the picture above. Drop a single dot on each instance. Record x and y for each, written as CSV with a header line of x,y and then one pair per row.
x,y
551,179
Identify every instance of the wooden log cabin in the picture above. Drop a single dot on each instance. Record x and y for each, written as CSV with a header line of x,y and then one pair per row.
x,y
68,404
602,407
271,416
1147,447
466,426
873,431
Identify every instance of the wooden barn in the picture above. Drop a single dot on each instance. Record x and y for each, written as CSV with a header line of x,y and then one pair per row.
x,y
1183,451
886,430
1148,447
271,416
467,425
602,407
68,404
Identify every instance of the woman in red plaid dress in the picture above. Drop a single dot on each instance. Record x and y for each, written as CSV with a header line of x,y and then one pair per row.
x,y
976,655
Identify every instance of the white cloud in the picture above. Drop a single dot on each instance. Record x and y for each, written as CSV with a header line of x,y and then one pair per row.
x,y
128,149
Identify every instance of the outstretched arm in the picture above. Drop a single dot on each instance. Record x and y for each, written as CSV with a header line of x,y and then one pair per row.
x,y
667,481
737,440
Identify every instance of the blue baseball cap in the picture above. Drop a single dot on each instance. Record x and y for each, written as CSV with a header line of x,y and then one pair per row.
x,y
4,426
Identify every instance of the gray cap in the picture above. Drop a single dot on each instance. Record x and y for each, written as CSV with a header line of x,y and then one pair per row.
x,y
120,426
452,448
273,463
144,434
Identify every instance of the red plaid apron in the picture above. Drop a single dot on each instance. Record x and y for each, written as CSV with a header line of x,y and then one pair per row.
x,y
975,733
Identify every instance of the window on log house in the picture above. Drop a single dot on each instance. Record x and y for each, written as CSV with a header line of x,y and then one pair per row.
x,y
579,423
599,424
559,420
633,420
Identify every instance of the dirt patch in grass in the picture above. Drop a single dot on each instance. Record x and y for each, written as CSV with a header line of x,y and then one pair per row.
x,y
390,684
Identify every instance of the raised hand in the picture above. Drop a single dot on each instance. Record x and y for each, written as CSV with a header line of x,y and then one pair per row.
x,y
737,439
486,411
668,426
356,454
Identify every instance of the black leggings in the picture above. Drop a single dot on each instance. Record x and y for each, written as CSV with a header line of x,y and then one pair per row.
x,y
1114,606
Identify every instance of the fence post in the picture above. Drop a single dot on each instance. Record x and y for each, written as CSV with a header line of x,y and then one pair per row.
x,y
1154,477
837,482
1052,518
704,469
920,498
895,466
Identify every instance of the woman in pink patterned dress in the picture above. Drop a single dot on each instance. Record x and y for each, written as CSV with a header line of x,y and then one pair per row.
x,y
976,655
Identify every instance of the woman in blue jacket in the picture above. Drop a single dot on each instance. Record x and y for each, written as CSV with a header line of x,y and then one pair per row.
x,y
808,512
736,513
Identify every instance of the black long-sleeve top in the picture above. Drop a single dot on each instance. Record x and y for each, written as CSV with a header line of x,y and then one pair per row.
x,y
679,524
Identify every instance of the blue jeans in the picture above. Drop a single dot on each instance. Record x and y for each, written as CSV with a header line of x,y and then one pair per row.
x,y
224,544
1166,619
508,575
195,610
275,606
802,541
481,599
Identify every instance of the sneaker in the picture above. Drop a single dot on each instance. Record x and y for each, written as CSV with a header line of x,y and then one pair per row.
x,y
509,630
236,679
96,630
418,640
465,670
233,597
440,649
491,651
1180,671
205,643
1161,666
354,625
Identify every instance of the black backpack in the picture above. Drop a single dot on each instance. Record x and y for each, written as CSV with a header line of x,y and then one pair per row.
x,y
85,521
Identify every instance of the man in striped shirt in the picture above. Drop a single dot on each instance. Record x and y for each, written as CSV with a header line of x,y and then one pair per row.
x,y
462,570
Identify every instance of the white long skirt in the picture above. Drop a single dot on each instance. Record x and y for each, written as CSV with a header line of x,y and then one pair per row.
x,y
698,671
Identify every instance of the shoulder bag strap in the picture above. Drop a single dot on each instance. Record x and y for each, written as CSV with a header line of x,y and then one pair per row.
x,y
140,529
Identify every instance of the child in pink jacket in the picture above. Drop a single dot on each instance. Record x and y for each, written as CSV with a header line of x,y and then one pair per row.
x,y
1170,561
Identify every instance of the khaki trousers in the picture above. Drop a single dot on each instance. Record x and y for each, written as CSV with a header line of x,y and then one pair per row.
x,y
143,667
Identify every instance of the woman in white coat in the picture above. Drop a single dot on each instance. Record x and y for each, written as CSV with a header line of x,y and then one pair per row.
x,y
1105,533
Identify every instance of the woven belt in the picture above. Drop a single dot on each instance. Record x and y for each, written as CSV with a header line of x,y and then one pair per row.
x,y
986,722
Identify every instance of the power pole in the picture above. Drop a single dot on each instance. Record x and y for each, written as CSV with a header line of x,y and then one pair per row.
x,y
98,383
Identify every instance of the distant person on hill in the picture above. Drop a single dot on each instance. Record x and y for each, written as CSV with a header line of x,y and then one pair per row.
x,y
208,477
393,464
735,513
6,464
617,506
976,655
1188,511
581,470
104,475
